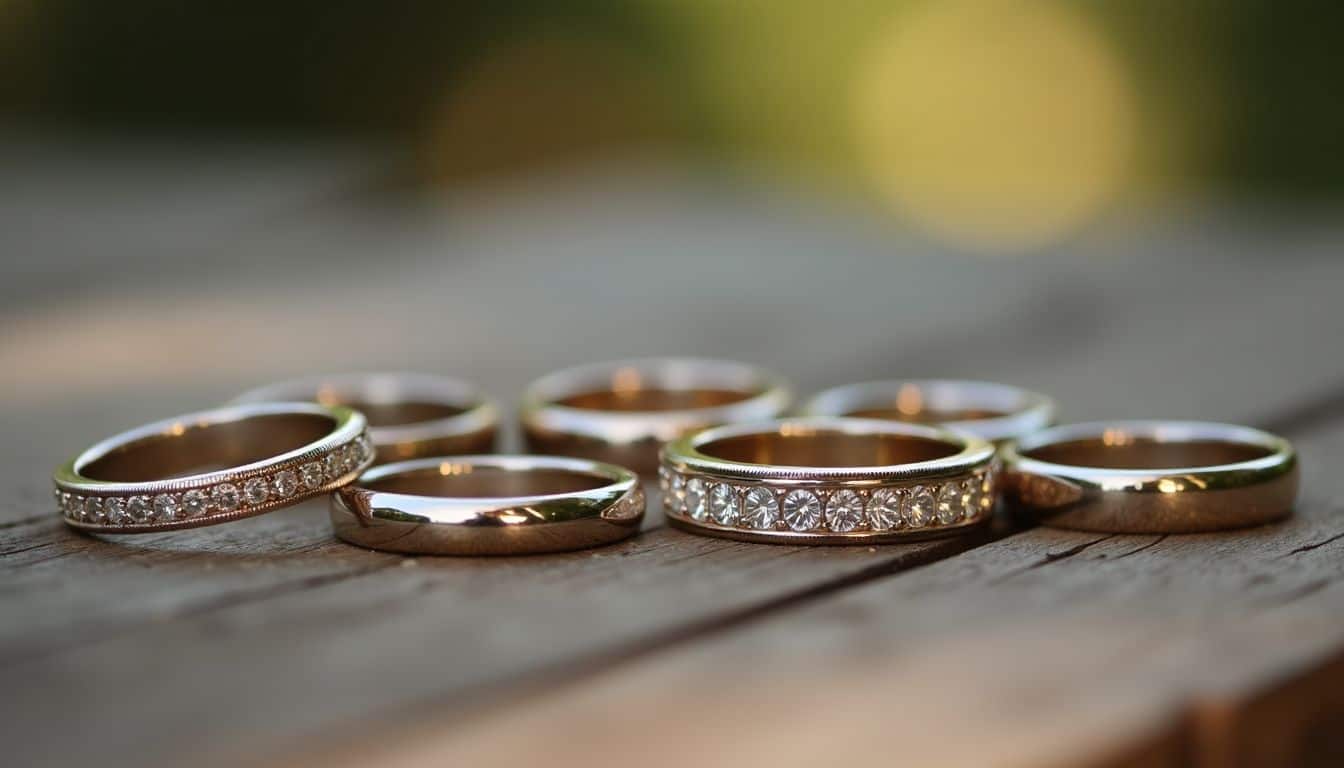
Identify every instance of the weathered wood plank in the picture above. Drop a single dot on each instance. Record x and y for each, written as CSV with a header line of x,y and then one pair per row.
x,y
285,647
1043,648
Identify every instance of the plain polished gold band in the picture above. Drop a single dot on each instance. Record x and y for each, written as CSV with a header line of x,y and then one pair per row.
x,y
410,414
623,412
212,467
828,481
489,505
995,412
1151,476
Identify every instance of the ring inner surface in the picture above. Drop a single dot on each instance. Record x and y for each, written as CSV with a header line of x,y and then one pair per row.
x,y
400,413
926,416
463,481
827,449
653,399
209,447
1147,453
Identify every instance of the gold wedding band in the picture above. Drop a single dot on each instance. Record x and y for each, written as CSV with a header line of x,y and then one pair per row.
x,y
995,412
489,505
410,414
828,481
1151,476
212,467
623,412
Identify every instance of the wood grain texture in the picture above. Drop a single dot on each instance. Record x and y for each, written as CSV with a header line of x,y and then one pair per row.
x,y
266,634
1043,648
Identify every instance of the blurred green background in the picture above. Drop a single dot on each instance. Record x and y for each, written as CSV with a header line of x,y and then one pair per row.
x,y
995,123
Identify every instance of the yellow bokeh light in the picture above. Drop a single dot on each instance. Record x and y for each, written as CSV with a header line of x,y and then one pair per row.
x,y
994,124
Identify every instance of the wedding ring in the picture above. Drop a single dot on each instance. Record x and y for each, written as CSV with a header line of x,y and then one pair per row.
x,y
410,414
489,505
1152,476
212,467
828,481
623,412
995,412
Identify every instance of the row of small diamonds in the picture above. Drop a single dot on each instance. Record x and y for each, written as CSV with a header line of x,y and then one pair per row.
x,y
755,507
218,498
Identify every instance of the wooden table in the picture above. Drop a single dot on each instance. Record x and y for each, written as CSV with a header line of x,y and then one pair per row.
x,y
268,641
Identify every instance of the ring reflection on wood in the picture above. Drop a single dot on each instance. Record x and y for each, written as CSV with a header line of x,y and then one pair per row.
x,y
623,412
489,505
1151,477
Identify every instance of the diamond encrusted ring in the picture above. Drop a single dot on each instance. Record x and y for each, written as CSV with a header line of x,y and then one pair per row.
x,y
410,414
996,412
212,467
828,481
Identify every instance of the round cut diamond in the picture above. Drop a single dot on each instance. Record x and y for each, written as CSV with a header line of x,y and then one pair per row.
x,y
918,509
285,483
970,493
255,491
884,509
165,507
311,475
114,508
194,503
723,504
844,511
334,464
950,503
664,478
93,509
696,502
676,493
71,505
759,509
802,510
139,508
225,497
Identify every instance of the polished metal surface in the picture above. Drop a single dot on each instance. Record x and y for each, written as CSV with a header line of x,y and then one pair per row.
x,y
489,505
212,467
1151,476
828,481
410,414
995,412
624,411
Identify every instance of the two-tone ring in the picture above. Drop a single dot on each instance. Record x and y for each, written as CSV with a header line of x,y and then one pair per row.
x,y
828,481
410,414
489,505
623,412
212,467
1151,476
995,412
